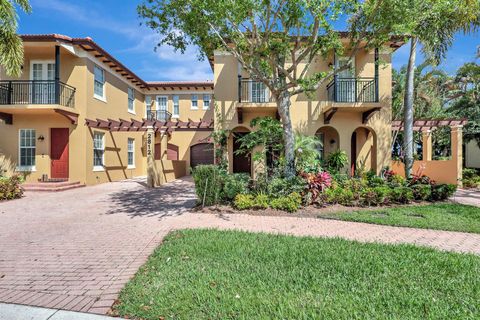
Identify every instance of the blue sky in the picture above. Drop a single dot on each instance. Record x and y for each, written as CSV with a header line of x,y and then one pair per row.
x,y
114,25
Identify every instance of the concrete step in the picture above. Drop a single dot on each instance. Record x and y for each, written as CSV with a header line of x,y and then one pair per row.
x,y
52,186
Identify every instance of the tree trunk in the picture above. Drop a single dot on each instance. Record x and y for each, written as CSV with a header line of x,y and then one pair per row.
x,y
283,104
408,109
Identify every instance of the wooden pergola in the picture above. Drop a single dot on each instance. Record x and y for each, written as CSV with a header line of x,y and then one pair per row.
x,y
429,125
157,125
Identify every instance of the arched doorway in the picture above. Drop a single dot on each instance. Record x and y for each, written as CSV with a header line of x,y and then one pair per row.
x,y
363,150
241,162
330,140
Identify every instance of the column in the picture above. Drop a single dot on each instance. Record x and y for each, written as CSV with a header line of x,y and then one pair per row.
x,y
457,152
150,150
427,145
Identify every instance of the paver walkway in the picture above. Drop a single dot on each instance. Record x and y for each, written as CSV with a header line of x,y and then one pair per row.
x,y
75,250
468,196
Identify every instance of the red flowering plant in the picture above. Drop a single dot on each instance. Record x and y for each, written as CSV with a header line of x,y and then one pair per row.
x,y
317,183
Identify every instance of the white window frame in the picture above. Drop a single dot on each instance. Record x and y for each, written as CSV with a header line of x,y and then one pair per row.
x,y
175,106
196,101
21,167
148,105
132,151
97,167
207,107
131,100
95,95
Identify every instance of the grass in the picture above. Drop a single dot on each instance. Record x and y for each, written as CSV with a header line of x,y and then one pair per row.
x,y
207,274
442,216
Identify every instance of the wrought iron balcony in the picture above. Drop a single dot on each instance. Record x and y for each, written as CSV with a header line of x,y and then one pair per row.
x,y
160,115
252,91
353,90
36,92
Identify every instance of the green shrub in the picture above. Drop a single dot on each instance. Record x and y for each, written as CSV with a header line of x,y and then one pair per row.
x,y
401,195
356,186
244,202
469,173
376,181
261,201
339,195
375,196
280,187
234,184
336,161
208,184
10,188
289,203
442,192
421,192
396,180
471,178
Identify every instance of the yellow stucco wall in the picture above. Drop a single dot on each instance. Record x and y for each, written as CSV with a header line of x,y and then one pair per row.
x,y
308,114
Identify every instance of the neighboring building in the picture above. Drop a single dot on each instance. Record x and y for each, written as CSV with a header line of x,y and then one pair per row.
x,y
472,155
68,80
351,113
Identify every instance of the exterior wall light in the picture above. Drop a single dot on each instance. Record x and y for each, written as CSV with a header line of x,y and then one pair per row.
x,y
41,138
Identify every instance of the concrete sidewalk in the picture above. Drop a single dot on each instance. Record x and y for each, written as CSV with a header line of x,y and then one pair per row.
x,y
20,312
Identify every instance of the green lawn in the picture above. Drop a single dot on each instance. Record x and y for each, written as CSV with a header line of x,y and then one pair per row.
x,y
207,274
442,216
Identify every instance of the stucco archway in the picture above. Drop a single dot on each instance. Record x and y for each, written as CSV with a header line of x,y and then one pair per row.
x,y
363,150
330,140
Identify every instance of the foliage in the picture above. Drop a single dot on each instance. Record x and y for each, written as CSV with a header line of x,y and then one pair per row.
x,y
307,153
443,191
420,180
220,138
208,184
421,192
233,184
261,201
244,201
267,134
401,195
281,187
375,196
289,203
336,161
10,188
339,195
316,184
11,46
471,178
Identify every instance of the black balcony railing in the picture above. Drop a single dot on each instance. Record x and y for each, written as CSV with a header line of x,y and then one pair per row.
x,y
160,115
353,90
36,92
252,91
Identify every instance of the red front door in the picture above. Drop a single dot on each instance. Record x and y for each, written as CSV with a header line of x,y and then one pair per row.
x,y
59,152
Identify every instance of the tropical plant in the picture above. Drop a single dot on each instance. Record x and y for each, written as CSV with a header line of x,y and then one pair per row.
x,y
11,46
290,203
276,42
233,184
208,184
307,153
317,183
10,187
336,161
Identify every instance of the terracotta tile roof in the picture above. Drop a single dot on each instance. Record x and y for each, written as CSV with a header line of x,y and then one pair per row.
x,y
102,55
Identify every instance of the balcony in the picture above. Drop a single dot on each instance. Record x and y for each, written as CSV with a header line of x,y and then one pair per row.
x,y
20,92
353,90
252,91
160,115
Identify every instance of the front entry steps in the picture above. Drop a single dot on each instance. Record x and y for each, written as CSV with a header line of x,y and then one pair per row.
x,y
53,186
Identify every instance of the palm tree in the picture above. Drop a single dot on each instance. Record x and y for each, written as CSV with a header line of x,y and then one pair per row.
x,y
11,47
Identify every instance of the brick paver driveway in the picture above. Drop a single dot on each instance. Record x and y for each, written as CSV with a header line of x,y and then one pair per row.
x,y
75,250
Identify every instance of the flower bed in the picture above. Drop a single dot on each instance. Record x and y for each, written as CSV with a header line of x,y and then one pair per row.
x,y
215,186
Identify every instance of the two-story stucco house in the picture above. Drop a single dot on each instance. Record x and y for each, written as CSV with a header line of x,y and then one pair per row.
x,y
351,113
79,114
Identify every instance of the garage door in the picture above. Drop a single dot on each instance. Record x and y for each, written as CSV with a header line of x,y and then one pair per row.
x,y
201,153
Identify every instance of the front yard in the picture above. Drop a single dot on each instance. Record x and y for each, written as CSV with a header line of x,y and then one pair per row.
x,y
206,274
439,216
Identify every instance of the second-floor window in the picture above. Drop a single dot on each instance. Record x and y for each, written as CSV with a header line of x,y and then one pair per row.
x,y
99,86
206,101
176,106
148,106
194,102
131,100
